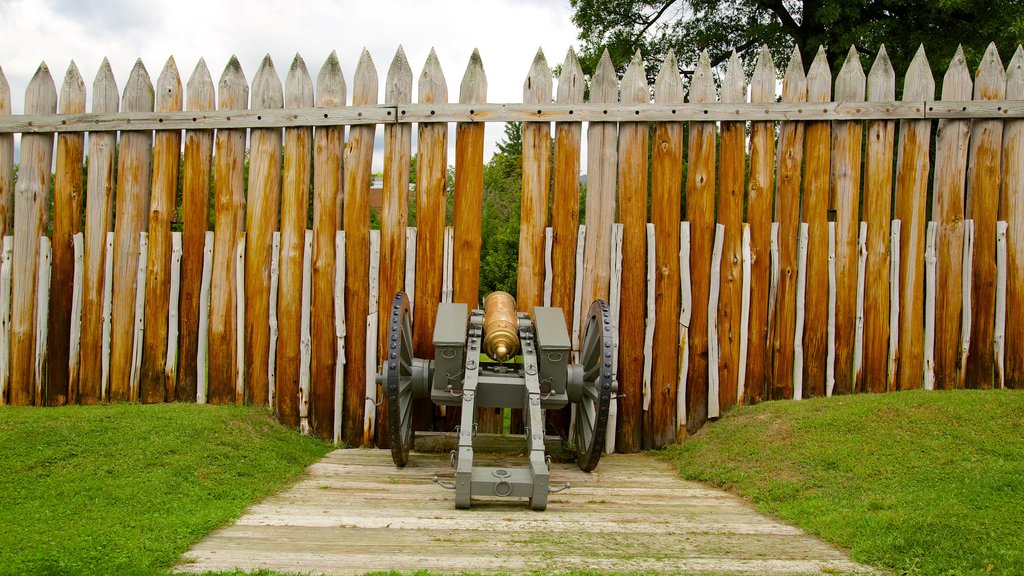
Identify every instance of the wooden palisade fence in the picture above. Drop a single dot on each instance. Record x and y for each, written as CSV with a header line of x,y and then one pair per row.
x,y
751,249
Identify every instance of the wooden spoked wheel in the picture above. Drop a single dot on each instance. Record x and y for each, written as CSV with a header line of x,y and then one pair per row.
x,y
598,387
398,379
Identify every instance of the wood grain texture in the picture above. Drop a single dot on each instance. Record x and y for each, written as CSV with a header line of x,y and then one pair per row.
x,y
263,199
30,199
295,185
817,171
700,211
195,215
533,213
661,427
1011,210
328,144
153,386
633,216
877,206
229,219
912,167
357,164
469,185
6,162
983,187
782,326
601,172
760,189
951,140
68,200
731,178
565,215
847,145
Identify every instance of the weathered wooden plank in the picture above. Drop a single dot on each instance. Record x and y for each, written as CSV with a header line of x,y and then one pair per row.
x,y
153,384
760,189
700,211
6,256
731,178
999,329
275,281
203,335
983,186
912,166
448,272
67,221
951,139
578,290
533,216
6,162
108,304
930,260
370,412
138,317
566,200
305,334
858,326
633,216
650,318
966,287
661,425
894,303
847,145
30,199
830,362
173,317
229,218
395,211
614,306
801,298
42,312
685,313
1011,210
714,409
263,200
339,333
195,216
295,188
328,145
410,265
601,171
787,213
358,160
240,367
744,318
75,344
548,272
877,213
817,172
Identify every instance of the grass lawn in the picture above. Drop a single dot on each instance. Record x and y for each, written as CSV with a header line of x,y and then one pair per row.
x,y
916,482
125,489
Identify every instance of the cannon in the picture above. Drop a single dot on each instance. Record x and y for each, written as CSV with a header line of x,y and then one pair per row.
x,y
501,358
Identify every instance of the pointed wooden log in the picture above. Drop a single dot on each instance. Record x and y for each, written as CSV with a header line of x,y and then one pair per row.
x,y
1012,211
358,162
760,190
877,212
195,214
983,184
633,216
666,188
229,219
912,166
6,162
817,171
700,211
68,200
153,386
328,144
30,200
951,139
731,177
263,199
787,212
395,213
847,144
601,169
536,176
296,179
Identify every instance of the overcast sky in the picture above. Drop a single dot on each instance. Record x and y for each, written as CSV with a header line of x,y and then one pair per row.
x,y
507,33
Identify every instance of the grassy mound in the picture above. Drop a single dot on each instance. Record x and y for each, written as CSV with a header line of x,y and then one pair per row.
x,y
125,489
915,482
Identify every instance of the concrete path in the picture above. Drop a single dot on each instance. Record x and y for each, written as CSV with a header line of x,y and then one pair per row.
x,y
354,512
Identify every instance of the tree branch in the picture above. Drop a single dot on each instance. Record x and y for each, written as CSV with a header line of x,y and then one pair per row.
x,y
655,18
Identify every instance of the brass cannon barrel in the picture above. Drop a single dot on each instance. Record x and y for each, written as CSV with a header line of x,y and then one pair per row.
x,y
501,328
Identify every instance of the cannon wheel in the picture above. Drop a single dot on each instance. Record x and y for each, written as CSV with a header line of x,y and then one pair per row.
x,y
592,410
398,379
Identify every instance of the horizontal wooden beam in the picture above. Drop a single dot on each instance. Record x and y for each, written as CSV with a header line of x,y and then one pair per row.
x,y
591,112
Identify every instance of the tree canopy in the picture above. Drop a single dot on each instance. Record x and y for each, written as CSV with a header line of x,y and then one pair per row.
x,y
719,26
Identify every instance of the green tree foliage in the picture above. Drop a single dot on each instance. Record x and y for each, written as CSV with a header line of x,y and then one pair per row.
x,y
503,180
718,26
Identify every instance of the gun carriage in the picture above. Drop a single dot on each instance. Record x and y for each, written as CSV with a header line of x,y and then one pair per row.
x,y
501,358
